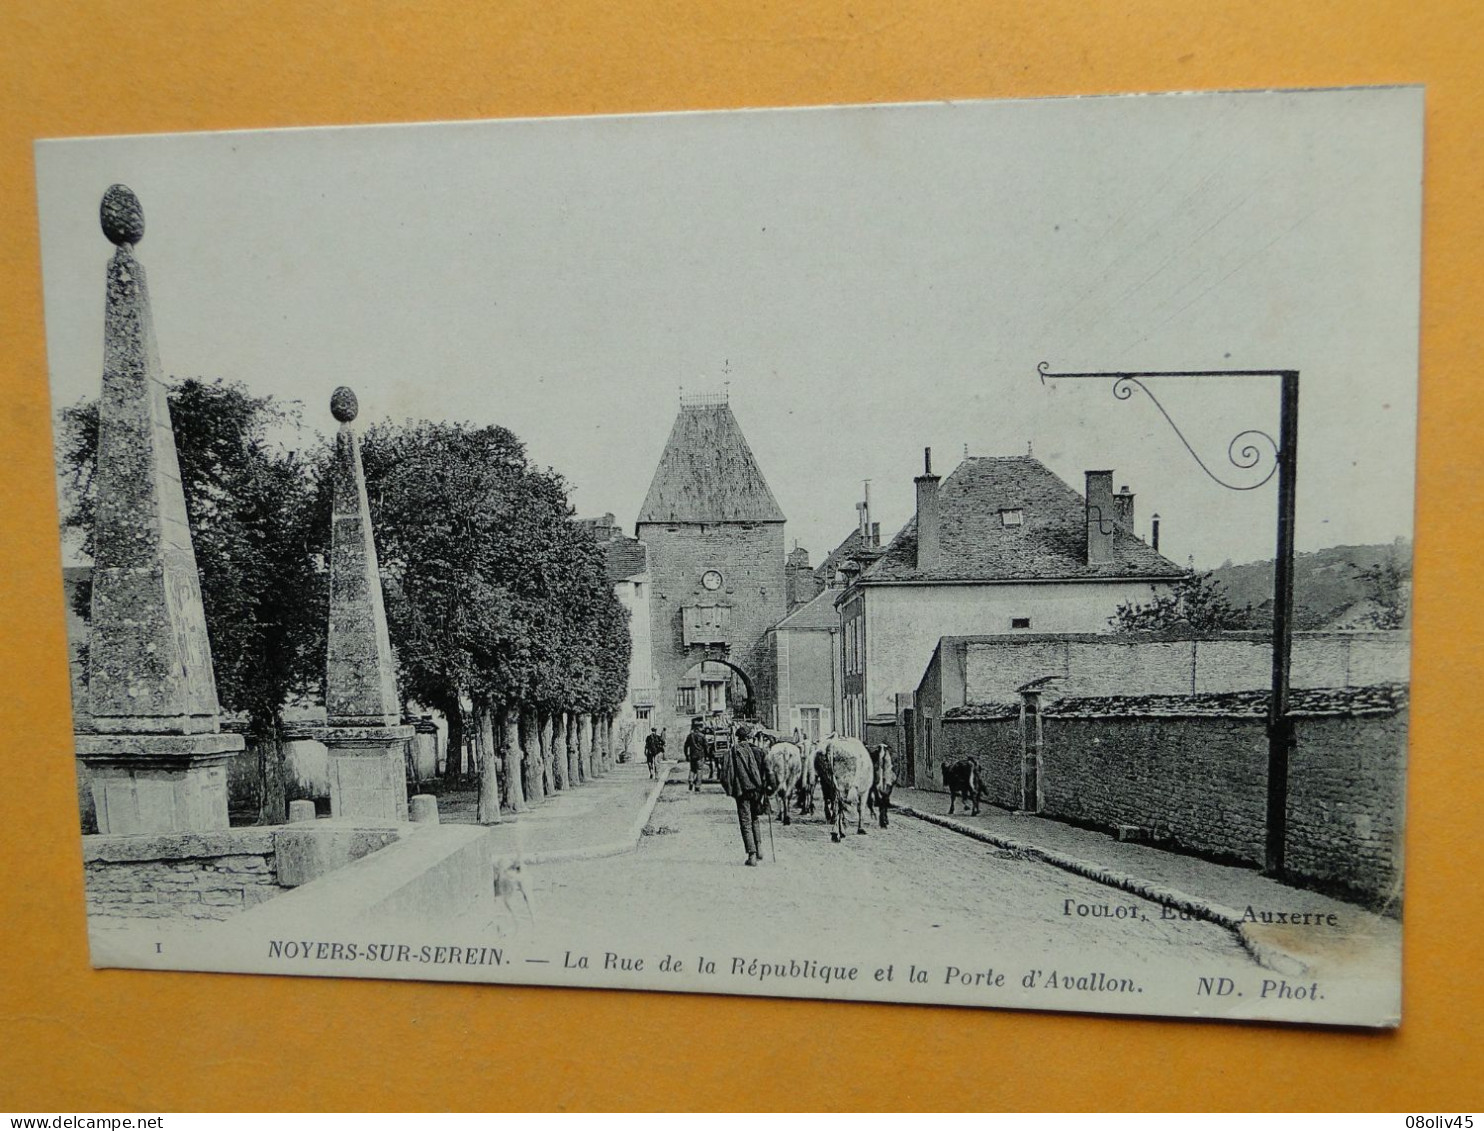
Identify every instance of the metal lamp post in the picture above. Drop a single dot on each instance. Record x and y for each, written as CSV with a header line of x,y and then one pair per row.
x,y
1244,452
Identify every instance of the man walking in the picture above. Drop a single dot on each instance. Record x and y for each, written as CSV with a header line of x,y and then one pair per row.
x,y
744,777
695,752
654,746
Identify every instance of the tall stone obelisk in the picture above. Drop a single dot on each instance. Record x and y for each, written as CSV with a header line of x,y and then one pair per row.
x,y
155,753
365,736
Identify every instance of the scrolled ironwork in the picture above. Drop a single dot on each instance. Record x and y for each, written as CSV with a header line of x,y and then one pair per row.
x,y
1247,450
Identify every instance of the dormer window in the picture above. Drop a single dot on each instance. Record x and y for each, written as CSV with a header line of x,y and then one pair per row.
x,y
1014,517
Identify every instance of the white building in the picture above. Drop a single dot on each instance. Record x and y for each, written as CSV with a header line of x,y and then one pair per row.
x,y
1001,546
628,573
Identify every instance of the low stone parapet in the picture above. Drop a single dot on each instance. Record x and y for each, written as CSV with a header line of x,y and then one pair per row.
x,y
211,875
216,875
434,874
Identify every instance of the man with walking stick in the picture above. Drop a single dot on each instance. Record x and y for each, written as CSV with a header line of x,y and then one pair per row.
x,y
743,770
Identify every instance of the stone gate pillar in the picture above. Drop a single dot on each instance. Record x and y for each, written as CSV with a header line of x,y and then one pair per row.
x,y
155,751
365,737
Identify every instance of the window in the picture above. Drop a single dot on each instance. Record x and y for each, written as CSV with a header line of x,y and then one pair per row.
x,y
685,700
1020,622
706,624
638,590
1012,517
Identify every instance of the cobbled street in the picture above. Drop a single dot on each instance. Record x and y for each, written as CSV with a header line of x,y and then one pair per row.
x,y
913,892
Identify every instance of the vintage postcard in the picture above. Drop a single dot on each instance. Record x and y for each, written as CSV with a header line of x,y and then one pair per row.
x,y
946,553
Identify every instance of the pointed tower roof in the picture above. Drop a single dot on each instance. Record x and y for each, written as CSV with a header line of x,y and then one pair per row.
x,y
707,472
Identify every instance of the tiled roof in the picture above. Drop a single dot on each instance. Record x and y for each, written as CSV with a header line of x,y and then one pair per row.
x,y
852,546
1050,543
627,557
1310,702
817,613
1382,699
707,473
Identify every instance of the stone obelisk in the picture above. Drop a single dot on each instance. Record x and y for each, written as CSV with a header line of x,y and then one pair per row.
x,y
365,736
155,753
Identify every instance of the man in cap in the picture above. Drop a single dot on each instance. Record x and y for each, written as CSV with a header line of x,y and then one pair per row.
x,y
654,746
744,777
695,754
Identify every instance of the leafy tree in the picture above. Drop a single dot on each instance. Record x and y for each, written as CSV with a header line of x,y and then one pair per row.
x,y
1195,603
249,505
1388,584
495,597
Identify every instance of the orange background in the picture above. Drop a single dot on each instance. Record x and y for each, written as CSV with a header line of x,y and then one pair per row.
x,y
75,1040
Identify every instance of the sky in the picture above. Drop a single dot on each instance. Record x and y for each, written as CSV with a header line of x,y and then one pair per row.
x,y
863,282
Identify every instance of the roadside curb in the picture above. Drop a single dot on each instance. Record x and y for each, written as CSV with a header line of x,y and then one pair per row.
x,y
1267,955
612,847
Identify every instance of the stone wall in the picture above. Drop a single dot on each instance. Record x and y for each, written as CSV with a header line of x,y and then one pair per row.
x,y
994,744
214,875
1086,665
1196,783
1346,804
189,875
1200,784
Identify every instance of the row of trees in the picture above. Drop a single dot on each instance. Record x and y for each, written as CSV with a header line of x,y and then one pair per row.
x,y
500,612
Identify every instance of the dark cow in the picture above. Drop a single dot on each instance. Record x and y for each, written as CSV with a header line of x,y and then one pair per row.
x,y
883,778
962,780
826,778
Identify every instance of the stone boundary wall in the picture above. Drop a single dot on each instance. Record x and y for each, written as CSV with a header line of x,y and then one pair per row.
x,y
1088,665
185,875
215,875
1200,784
994,745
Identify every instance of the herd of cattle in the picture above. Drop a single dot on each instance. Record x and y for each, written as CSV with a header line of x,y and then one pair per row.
x,y
851,777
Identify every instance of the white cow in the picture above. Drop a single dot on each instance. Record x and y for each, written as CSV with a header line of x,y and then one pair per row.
x,y
785,765
849,767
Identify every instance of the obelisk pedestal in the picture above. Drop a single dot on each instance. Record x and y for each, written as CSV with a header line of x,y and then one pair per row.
x,y
365,737
155,751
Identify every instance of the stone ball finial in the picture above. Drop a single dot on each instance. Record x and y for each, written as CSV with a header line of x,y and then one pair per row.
x,y
121,215
343,404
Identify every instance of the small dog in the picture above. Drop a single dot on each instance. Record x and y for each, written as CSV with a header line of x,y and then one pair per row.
x,y
509,879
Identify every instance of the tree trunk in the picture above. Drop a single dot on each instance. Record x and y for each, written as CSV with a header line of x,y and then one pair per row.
x,y
556,770
267,737
515,794
584,726
610,756
453,757
534,764
569,748
487,811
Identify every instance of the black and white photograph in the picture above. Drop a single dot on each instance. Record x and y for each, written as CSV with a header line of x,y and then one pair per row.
x,y
951,553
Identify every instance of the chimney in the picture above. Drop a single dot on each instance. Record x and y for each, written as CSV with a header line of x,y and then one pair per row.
x,y
875,533
1102,518
927,513
1154,533
1123,508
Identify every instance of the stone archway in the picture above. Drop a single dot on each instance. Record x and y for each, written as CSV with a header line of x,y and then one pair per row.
x,y
748,707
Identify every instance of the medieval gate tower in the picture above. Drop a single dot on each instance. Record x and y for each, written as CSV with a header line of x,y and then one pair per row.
x,y
717,565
